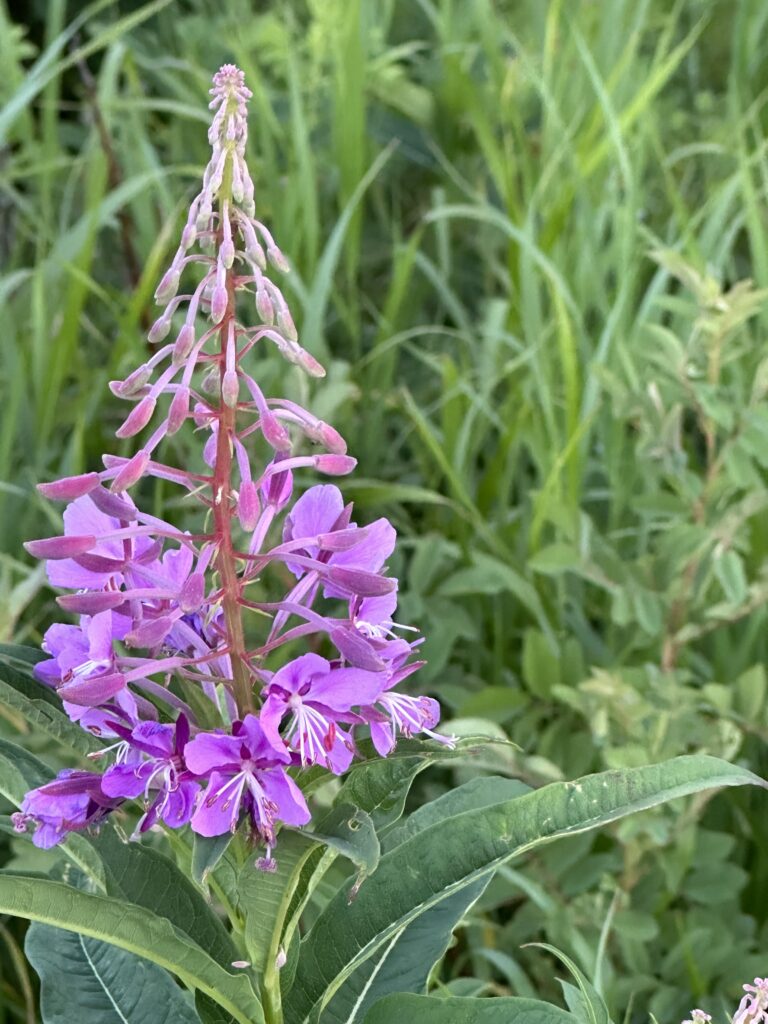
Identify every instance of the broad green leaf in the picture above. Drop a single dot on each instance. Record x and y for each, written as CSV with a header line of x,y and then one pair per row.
x,y
349,831
147,878
380,787
135,929
210,1012
428,1010
471,795
456,852
206,854
264,897
405,962
20,771
91,982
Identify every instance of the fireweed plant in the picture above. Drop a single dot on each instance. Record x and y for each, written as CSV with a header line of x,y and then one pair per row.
x,y
203,702
155,602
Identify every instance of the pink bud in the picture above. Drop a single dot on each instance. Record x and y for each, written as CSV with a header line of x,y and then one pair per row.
x,y
91,603
60,547
264,306
91,692
69,487
227,252
138,418
179,410
188,236
341,540
277,259
159,329
335,465
111,505
192,594
360,582
353,646
248,506
218,304
274,434
150,632
169,285
131,472
331,439
230,388
133,383
286,325
183,345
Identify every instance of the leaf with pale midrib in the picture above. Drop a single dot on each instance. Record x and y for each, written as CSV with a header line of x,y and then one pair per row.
x,y
451,854
91,982
428,1010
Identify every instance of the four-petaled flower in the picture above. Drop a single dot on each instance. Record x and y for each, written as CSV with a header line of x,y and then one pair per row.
x,y
246,775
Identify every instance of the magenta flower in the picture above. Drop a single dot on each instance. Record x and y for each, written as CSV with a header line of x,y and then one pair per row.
x,y
245,776
315,697
72,802
152,767
162,612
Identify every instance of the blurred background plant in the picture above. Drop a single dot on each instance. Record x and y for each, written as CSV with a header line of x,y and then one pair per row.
x,y
529,240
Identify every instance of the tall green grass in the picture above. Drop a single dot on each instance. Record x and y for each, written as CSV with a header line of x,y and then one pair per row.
x,y
470,193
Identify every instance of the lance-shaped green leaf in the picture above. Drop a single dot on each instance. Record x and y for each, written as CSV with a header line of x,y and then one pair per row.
x,y
428,1010
349,831
405,963
135,929
91,982
451,854
207,851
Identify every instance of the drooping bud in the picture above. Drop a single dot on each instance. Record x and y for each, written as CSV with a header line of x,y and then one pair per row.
x,y
248,506
69,487
91,691
179,410
218,304
360,582
274,433
335,465
133,384
91,602
277,259
138,418
184,344
59,547
169,285
192,593
230,388
159,330
131,472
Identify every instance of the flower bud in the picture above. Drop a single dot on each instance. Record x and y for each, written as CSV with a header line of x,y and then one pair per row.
x,y
69,487
131,473
248,506
138,418
179,410
184,344
218,304
277,259
264,306
150,632
334,465
227,252
111,505
360,582
188,235
133,384
91,602
91,691
59,547
285,324
274,433
230,388
354,647
169,285
159,329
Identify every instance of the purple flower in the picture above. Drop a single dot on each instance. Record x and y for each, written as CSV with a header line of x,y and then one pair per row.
x,y
321,510
317,697
753,1008
152,765
245,775
83,666
72,802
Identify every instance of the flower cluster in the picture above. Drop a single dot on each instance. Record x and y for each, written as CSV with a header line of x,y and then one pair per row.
x,y
753,1008
161,664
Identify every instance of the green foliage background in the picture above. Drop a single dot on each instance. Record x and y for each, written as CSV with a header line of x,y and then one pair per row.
x,y
523,233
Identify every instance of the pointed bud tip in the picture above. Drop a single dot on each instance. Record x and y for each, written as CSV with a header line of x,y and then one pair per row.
x,y
69,487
